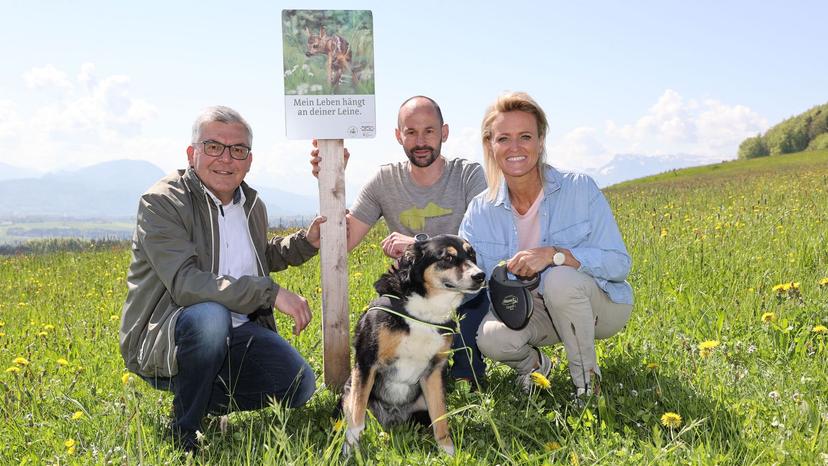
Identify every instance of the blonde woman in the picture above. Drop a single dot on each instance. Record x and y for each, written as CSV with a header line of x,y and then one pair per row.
x,y
557,224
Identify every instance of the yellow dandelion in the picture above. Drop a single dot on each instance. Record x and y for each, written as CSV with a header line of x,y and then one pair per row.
x,y
3,324
62,362
77,415
822,282
706,347
663,232
70,450
652,365
671,420
13,370
113,317
2,334
21,361
42,334
339,425
768,317
540,380
69,443
820,329
48,327
357,274
126,378
552,446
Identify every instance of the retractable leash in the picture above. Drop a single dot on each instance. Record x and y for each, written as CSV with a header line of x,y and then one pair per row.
x,y
511,299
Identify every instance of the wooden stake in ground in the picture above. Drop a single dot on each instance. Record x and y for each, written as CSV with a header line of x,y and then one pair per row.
x,y
334,264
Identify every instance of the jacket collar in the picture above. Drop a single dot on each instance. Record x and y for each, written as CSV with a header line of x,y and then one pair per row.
x,y
551,183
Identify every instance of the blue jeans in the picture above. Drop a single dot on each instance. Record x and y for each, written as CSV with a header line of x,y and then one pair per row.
x,y
223,369
468,363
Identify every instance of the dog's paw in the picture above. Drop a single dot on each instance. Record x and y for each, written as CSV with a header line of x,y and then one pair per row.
x,y
448,446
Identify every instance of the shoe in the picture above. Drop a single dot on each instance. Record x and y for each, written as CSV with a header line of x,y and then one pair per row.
x,y
544,367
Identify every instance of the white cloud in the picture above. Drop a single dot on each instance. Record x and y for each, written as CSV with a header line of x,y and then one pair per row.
x,y
86,120
578,149
704,129
46,77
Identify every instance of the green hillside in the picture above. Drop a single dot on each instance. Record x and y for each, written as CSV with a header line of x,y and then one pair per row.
x,y
807,131
728,331
802,161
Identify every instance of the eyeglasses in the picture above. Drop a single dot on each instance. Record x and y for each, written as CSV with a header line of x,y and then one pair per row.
x,y
215,149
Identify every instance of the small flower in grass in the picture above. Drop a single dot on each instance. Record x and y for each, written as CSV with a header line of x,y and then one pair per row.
x,y
357,274
126,378
552,446
21,361
707,347
13,370
48,327
540,380
199,436
70,446
671,420
774,395
339,425
663,232
77,415
42,334
822,282
114,317
791,288
768,317
2,324
820,329
652,366
62,362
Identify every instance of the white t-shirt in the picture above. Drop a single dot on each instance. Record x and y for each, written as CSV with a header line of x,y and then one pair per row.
x,y
237,257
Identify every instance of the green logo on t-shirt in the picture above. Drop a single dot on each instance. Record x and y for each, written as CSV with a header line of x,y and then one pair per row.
x,y
415,217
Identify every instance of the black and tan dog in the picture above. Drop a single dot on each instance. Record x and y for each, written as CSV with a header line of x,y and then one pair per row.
x,y
402,342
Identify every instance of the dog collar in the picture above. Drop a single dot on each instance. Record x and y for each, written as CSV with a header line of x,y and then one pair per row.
x,y
447,330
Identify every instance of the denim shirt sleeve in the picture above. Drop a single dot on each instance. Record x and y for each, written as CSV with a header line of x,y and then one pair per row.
x,y
610,261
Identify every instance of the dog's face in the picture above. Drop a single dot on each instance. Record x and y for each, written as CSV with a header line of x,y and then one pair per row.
x,y
444,262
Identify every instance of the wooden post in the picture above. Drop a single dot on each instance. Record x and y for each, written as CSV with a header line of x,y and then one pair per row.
x,y
334,265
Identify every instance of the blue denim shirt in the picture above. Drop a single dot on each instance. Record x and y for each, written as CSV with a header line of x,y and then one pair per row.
x,y
574,215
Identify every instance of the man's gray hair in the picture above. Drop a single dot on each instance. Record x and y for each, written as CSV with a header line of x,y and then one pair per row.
x,y
221,114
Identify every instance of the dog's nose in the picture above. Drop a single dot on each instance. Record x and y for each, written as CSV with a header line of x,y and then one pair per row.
x,y
479,277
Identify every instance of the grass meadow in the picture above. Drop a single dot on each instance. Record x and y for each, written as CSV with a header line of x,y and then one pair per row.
x,y
728,332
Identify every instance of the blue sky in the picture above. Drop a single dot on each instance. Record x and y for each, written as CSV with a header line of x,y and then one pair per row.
x,y
84,82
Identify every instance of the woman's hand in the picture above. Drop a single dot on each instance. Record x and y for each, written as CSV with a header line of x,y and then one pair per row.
x,y
530,262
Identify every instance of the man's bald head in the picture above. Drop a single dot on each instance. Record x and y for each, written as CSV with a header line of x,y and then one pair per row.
x,y
418,101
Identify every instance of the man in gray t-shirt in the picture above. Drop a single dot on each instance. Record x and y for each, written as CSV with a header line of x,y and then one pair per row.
x,y
425,194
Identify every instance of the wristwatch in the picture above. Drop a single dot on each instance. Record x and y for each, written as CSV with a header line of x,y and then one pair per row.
x,y
419,237
558,258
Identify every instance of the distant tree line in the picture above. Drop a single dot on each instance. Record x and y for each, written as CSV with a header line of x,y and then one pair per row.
x,y
51,245
805,132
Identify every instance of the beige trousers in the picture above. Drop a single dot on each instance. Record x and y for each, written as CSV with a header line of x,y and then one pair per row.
x,y
580,311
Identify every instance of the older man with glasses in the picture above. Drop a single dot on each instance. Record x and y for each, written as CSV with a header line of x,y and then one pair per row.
x,y
198,317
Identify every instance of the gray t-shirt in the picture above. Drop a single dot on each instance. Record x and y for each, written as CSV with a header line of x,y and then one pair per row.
x,y
409,208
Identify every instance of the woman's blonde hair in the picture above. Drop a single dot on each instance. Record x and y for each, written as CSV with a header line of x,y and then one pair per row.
x,y
509,102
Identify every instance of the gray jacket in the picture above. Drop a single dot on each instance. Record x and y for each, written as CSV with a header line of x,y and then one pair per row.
x,y
175,263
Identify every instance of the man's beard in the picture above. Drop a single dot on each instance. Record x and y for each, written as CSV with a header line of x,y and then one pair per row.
x,y
421,162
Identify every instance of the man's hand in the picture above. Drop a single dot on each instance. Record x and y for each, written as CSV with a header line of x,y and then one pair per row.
x,y
394,244
313,234
290,303
315,158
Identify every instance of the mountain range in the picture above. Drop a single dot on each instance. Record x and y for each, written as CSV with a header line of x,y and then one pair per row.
x,y
111,189
108,190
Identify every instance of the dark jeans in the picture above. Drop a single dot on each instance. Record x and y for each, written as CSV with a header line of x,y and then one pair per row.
x,y
223,369
468,363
